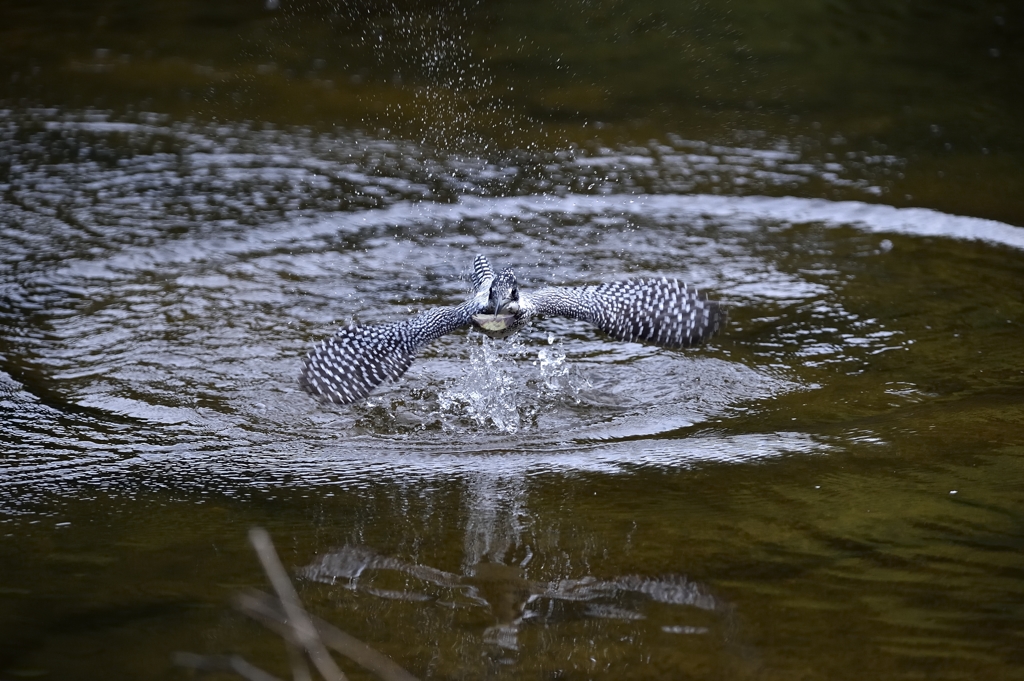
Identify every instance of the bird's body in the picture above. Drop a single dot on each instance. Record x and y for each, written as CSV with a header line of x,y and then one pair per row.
x,y
665,312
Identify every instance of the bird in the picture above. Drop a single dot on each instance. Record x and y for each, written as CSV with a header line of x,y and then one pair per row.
x,y
346,367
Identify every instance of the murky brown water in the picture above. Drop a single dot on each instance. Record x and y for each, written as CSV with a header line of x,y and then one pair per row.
x,y
191,195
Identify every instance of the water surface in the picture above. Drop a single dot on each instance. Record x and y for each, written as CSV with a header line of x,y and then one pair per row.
x,y
828,489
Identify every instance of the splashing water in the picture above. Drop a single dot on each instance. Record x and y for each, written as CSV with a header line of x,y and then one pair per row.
x,y
488,394
557,377
503,390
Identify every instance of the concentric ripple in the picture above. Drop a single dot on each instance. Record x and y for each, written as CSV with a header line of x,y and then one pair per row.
x,y
160,290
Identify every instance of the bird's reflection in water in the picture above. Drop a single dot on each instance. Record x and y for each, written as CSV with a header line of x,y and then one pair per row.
x,y
506,592
490,580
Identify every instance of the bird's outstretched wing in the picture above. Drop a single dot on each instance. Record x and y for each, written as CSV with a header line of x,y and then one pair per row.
x,y
347,366
664,312
483,275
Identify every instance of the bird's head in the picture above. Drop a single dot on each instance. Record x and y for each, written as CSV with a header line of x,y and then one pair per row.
x,y
502,316
504,296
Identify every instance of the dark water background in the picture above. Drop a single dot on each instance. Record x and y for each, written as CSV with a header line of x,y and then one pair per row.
x,y
193,193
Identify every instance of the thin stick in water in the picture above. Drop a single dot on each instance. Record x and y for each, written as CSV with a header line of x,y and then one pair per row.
x,y
223,663
267,610
305,633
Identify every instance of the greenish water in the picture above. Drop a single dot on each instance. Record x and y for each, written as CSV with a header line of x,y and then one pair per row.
x,y
191,194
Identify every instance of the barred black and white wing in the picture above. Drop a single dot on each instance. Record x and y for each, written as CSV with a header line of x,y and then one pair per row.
x,y
483,275
347,366
664,312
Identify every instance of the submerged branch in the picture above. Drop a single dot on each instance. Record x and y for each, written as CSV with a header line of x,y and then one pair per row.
x,y
304,635
223,663
297,618
268,611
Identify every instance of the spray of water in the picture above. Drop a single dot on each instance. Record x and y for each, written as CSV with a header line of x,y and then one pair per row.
x,y
505,389
488,393
557,380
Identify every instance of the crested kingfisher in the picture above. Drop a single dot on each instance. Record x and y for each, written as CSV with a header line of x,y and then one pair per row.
x,y
347,366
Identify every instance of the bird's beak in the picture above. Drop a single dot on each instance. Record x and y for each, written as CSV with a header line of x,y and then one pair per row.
x,y
498,306
493,304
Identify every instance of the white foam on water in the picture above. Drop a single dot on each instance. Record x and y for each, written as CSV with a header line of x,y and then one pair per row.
x,y
745,210
730,212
